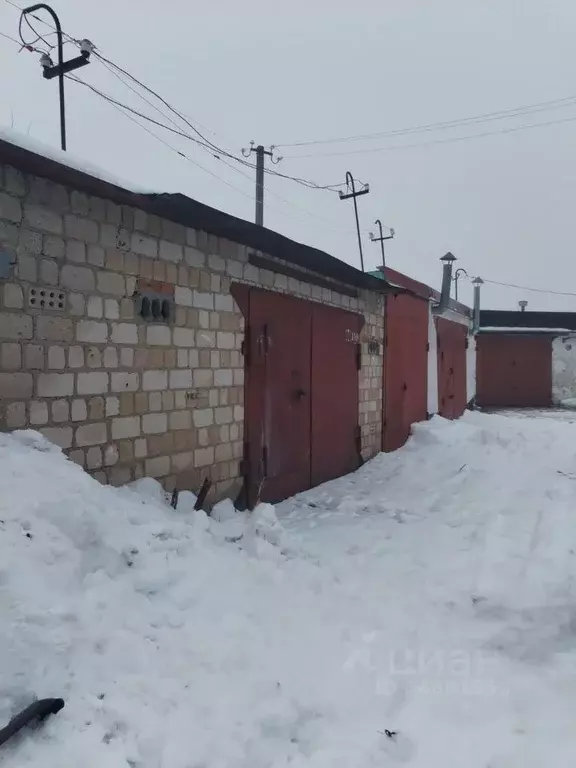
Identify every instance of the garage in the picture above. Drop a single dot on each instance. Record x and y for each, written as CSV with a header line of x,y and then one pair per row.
x,y
514,370
452,344
302,361
405,368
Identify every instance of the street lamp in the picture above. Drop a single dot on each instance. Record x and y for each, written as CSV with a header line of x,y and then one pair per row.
x,y
52,70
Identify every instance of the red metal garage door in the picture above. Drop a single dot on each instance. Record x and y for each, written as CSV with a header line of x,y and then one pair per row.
x,y
452,339
301,395
278,396
335,438
513,371
405,367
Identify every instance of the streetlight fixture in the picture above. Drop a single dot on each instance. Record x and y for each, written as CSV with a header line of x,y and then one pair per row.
x,y
58,70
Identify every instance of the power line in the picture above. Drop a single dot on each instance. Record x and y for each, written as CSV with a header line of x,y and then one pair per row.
x,y
527,288
446,124
449,140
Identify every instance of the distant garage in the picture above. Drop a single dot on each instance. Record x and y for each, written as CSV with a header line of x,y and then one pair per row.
x,y
526,359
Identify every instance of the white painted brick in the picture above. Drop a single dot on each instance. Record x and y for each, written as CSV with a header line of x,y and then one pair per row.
x,y
223,415
124,333
93,458
125,382
203,418
61,436
183,296
144,245
111,357
91,434
15,415
38,413
204,318
215,284
158,467
183,358
180,420
140,448
126,426
127,357
95,307
239,377
154,380
181,378
194,359
203,377
170,251
55,384
194,257
206,339
112,406
159,335
223,377
60,410
56,357
76,357
238,413
111,455
203,300
224,303
94,383
204,457
225,340
217,263
183,337
155,401
92,331
154,423
111,309
234,268
79,412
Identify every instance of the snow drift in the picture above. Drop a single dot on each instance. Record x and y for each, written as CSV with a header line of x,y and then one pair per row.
x,y
420,611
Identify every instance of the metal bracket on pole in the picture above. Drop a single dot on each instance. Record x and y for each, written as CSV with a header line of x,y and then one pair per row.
x,y
381,239
261,153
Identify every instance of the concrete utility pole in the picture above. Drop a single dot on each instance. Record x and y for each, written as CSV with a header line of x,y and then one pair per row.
x,y
260,153
381,239
350,183
59,70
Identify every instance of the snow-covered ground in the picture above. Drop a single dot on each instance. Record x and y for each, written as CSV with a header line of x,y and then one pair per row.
x,y
431,596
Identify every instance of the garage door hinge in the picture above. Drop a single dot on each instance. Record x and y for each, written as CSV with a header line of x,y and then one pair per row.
x,y
427,346
359,357
466,342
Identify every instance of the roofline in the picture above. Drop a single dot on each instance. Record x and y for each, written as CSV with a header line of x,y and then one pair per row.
x,y
191,213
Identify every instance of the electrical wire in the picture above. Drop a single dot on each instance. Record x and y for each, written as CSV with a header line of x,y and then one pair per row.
x,y
450,140
446,124
527,288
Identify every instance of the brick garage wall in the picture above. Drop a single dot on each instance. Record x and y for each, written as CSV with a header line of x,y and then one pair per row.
x,y
122,396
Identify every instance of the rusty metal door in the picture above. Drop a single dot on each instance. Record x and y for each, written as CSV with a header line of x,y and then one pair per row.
x,y
513,371
278,396
335,362
405,368
452,341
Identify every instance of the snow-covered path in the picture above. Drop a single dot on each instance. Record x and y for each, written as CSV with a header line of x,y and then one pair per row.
x,y
430,595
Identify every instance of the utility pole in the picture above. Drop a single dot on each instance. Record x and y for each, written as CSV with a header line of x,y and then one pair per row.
x,y
350,183
260,153
59,70
381,239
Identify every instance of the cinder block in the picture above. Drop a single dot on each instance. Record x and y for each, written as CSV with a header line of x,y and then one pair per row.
x,y
154,423
11,357
77,278
204,457
15,415
203,417
61,436
60,410
125,426
15,326
13,296
78,411
57,358
91,434
54,328
154,380
125,381
80,228
55,384
223,377
171,251
158,335
92,331
38,413
124,333
94,383
181,378
180,420
158,467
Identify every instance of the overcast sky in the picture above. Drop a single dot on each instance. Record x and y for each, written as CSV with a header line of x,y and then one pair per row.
x,y
281,73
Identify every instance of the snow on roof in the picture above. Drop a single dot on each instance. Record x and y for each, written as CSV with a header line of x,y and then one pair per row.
x,y
66,158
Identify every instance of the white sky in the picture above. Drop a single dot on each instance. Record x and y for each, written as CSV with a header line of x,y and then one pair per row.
x,y
287,72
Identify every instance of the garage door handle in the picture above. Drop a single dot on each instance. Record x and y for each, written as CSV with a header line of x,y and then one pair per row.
x,y
299,393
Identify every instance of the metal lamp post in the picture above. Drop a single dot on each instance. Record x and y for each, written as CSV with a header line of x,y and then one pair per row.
x,y
457,275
